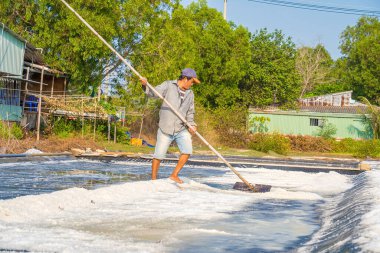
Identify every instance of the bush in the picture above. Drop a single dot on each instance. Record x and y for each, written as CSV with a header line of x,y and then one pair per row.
x,y
368,148
62,127
17,132
327,130
265,142
347,145
10,132
121,135
231,126
310,143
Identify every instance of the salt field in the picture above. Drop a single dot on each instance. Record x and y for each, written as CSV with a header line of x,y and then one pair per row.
x,y
69,205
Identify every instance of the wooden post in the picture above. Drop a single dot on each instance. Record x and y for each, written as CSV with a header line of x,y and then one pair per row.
x,y
39,106
64,90
82,119
9,130
26,88
114,134
141,126
95,122
52,86
109,129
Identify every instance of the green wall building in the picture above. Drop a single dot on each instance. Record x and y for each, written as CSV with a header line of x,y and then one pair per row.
x,y
349,121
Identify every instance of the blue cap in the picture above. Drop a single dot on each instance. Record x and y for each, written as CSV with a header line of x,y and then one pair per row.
x,y
188,72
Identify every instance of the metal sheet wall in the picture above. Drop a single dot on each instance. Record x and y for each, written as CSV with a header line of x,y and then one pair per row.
x,y
12,52
348,125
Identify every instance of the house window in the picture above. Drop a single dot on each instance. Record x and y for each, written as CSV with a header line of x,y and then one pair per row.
x,y
316,122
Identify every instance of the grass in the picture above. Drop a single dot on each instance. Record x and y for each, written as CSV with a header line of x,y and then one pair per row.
x,y
198,150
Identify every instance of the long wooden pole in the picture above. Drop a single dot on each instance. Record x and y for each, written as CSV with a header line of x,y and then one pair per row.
x,y
160,96
40,106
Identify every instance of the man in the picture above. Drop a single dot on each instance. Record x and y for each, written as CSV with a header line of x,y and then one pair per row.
x,y
171,128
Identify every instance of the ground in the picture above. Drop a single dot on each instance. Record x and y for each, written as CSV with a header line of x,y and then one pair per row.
x,y
50,145
56,145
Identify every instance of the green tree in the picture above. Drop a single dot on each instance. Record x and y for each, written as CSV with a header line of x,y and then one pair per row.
x,y
69,45
361,61
334,83
197,36
327,130
374,118
272,78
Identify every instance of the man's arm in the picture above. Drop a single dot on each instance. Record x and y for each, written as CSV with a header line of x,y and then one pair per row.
x,y
190,117
161,89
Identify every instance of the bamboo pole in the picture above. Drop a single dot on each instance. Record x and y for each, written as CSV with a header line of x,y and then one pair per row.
x,y
114,133
82,119
52,87
40,106
250,186
95,122
26,88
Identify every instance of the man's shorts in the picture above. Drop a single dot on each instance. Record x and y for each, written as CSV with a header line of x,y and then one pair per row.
x,y
183,140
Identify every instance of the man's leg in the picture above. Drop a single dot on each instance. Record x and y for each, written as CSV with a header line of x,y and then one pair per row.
x,y
162,145
184,144
181,162
155,167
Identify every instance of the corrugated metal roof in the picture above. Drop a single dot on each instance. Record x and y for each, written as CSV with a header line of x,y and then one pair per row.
x,y
336,109
320,109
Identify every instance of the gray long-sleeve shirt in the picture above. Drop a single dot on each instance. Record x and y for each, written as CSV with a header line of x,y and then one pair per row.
x,y
169,122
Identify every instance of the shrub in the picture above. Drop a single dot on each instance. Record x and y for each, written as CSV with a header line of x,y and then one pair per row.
x,y
62,127
16,132
265,142
121,135
327,130
347,145
10,132
368,148
310,143
231,125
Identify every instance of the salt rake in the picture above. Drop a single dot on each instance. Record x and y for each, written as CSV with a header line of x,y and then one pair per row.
x,y
245,186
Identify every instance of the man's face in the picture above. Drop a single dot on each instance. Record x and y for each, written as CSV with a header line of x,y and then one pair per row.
x,y
188,83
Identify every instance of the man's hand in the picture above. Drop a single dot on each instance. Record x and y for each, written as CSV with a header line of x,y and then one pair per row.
x,y
143,81
192,129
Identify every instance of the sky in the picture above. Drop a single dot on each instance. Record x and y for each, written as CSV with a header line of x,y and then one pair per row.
x,y
305,27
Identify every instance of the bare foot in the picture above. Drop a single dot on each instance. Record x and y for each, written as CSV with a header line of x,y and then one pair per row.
x,y
176,179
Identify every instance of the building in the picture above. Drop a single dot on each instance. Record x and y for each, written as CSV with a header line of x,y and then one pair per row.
x,y
338,109
23,78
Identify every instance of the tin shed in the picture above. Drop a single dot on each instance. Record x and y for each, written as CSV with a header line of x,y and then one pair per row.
x,y
12,50
349,121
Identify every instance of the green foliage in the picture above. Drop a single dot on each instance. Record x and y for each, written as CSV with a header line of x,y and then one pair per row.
x,y
259,124
368,148
69,45
346,145
13,131
63,128
230,124
197,36
121,136
374,118
361,62
16,131
272,78
270,142
327,130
